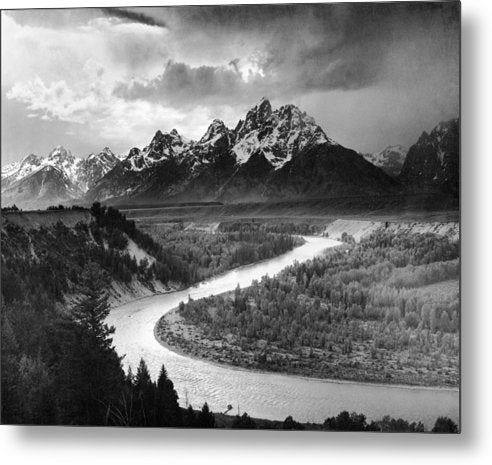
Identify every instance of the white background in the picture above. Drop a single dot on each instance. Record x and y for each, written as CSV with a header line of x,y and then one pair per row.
x,y
40,445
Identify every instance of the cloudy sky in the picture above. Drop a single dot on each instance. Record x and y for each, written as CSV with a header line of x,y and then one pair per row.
x,y
370,74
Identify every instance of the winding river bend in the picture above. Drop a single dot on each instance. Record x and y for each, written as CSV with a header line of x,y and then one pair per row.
x,y
264,395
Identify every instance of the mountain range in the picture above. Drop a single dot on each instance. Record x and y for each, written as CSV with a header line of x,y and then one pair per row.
x,y
270,155
59,177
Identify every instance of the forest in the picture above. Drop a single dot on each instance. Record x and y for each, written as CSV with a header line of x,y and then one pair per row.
x,y
386,309
60,368
208,253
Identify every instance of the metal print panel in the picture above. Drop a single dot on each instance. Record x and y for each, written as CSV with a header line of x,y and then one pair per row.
x,y
240,216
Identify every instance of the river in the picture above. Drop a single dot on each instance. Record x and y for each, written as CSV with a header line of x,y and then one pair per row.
x,y
264,395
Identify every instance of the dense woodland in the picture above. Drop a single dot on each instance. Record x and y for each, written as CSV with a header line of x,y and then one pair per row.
x,y
385,299
209,253
61,369
272,226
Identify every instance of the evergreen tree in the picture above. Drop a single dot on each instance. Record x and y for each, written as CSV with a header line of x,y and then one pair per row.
x,y
144,396
10,405
206,418
89,376
91,312
167,410
445,425
190,420
290,424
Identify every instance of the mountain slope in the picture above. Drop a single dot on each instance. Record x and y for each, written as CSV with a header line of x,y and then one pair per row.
x,y
95,166
45,186
328,170
433,162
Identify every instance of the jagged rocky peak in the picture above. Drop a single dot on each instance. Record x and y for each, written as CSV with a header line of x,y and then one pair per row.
x,y
290,118
217,131
444,136
164,146
61,154
434,160
293,114
446,133
263,109
445,126
278,134
31,159
161,139
133,152
258,116
107,151
440,133
105,154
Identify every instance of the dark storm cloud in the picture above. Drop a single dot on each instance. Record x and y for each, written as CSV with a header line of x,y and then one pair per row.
x,y
345,47
308,48
180,83
134,16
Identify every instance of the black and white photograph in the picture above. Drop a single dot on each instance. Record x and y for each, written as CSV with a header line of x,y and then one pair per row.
x,y
241,217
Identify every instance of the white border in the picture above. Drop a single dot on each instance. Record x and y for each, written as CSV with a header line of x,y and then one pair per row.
x,y
43,445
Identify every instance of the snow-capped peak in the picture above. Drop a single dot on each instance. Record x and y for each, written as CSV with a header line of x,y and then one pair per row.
x,y
60,155
162,147
278,134
255,117
105,155
10,169
20,169
31,159
216,132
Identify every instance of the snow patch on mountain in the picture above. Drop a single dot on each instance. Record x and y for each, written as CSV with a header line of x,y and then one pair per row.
x,y
390,159
278,134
